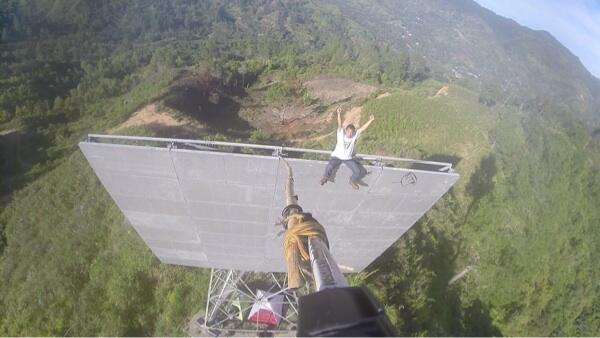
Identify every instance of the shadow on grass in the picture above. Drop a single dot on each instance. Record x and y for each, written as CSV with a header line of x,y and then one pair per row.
x,y
20,151
141,321
481,182
210,104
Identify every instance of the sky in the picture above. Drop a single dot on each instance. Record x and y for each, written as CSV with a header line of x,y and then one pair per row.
x,y
575,23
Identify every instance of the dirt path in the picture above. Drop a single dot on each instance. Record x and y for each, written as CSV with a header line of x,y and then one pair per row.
x,y
8,131
442,92
382,95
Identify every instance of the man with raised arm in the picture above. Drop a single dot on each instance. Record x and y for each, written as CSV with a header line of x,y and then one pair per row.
x,y
344,152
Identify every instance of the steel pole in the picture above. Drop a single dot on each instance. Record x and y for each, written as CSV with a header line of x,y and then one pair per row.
x,y
325,270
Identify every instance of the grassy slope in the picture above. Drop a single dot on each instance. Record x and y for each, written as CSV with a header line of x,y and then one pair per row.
x,y
523,213
534,232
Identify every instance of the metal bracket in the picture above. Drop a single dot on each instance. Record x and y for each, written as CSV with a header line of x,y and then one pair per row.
x,y
377,162
447,169
200,147
279,152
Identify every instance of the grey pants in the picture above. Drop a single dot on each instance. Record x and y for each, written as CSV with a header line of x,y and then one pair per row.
x,y
358,171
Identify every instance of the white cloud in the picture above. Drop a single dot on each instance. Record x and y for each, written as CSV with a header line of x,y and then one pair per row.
x,y
576,24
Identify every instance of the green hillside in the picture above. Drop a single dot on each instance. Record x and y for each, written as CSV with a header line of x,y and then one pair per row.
x,y
523,215
525,220
74,266
521,220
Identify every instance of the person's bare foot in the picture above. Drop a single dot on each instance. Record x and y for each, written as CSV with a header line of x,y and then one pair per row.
x,y
354,185
323,180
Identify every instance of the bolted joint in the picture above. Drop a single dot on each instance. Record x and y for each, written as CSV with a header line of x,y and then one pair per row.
x,y
292,208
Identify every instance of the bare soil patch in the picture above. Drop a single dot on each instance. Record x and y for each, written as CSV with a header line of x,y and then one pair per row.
x,y
442,92
352,117
150,115
282,120
331,90
381,96
162,124
298,122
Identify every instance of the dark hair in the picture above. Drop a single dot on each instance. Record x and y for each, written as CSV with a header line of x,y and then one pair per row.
x,y
351,126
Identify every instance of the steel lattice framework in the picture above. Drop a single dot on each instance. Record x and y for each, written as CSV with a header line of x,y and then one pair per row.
x,y
231,295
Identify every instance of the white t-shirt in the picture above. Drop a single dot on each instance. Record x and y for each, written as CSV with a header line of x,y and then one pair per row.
x,y
344,148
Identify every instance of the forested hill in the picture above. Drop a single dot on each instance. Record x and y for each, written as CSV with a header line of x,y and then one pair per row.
x,y
457,41
512,249
464,42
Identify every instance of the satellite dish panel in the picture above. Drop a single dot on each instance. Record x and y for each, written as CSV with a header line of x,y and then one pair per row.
x,y
219,209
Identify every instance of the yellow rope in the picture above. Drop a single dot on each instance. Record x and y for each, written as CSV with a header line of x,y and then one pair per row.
x,y
301,226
